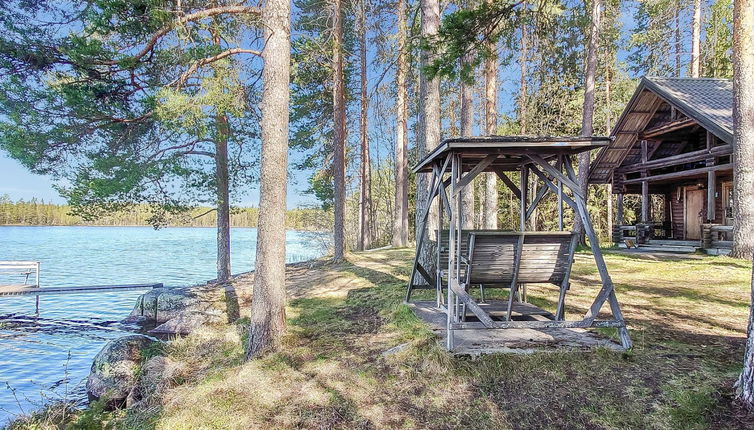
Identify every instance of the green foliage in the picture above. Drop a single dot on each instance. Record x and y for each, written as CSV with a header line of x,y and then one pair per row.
x,y
717,47
86,98
652,39
464,32
311,117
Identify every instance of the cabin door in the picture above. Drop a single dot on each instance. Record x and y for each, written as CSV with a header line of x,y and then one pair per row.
x,y
693,214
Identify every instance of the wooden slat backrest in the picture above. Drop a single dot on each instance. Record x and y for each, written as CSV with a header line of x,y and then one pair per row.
x,y
545,257
444,245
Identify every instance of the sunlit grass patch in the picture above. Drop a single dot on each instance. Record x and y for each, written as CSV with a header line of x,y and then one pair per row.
x,y
355,356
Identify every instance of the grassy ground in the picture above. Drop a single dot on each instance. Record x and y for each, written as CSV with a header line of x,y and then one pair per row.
x,y
687,319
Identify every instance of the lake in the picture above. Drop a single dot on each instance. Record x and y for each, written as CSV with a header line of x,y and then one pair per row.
x,y
47,357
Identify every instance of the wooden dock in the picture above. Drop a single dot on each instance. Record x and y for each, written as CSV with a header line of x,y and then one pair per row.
x,y
31,290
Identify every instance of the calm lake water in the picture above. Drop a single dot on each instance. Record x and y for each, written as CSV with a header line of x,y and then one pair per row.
x,y
47,357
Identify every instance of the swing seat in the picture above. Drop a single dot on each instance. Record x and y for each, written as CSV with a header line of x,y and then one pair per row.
x,y
545,258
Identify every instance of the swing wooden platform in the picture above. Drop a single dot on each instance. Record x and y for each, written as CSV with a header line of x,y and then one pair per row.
x,y
459,261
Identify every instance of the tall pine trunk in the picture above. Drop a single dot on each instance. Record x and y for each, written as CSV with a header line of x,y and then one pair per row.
x,y
223,198
743,174
339,132
400,220
696,29
365,197
522,101
467,126
490,127
268,296
677,41
429,127
587,119
743,129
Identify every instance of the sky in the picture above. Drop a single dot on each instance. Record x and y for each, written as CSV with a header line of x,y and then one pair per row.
x,y
19,183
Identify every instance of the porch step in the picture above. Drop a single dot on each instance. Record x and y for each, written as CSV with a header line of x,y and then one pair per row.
x,y
673,242
668,248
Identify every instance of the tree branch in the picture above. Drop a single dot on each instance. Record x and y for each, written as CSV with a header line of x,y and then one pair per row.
x,y
206,13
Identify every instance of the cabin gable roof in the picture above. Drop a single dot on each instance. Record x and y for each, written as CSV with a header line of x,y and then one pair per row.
x,y
707,101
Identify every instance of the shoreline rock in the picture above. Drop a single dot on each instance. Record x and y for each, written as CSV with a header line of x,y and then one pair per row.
x,y
115,369
179,311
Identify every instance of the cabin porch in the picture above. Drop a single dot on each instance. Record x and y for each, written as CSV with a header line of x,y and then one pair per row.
x,y
686,215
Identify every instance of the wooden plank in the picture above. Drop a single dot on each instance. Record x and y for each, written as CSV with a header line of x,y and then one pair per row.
x,y
711,195
678,159
539,324
36,291
473,306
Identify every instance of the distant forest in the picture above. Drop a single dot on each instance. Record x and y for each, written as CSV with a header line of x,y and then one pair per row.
x,y
38,212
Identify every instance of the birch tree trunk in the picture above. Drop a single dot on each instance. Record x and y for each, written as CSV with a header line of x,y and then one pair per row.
x,y
467,126
400,220
587,119
223,199
490,120
365,197
696,29
268,296
743,128
339,133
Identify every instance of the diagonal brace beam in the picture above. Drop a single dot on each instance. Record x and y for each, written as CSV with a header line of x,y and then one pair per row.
x,y
473,173
507,181
556,174
552,186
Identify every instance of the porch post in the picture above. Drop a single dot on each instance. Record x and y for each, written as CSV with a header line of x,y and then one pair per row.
x,y
711,192
619,210
644,201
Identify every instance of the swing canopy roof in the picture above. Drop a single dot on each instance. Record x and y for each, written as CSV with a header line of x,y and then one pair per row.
x,y
512,150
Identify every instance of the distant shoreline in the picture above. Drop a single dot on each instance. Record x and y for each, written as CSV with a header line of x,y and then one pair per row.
x,y
148,226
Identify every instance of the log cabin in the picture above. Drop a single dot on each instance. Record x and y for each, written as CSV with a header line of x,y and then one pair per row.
x,y
673,146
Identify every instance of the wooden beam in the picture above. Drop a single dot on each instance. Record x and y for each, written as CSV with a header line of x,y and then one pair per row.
x,y
534,203
473,173
667,128
673,160
644,154
619,210
682,174
507,181
556,174
552,186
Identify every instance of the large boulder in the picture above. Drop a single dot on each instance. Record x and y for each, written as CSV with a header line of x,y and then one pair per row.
x,y
182,310
115,369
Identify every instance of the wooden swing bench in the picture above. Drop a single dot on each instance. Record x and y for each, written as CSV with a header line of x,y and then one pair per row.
x,y
506,259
